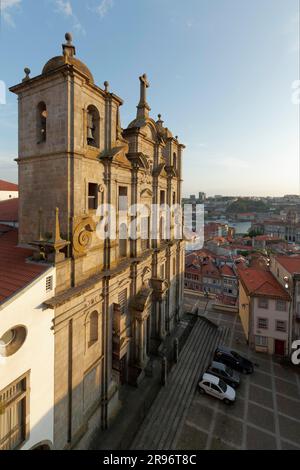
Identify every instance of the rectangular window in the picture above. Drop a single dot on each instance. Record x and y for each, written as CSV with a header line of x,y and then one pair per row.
x,y
123,198
261,341
162,197
162,271
145,233
281,326
122,300
262,323
93,196
49,283
174,198
174,266
13,416
281,305
263,303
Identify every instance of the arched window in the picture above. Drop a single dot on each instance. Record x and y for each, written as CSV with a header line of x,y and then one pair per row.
x,y
174,160
41,122
92,131
93,328
123,235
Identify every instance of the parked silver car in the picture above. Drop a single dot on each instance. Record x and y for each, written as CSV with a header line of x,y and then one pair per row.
x,y
231,377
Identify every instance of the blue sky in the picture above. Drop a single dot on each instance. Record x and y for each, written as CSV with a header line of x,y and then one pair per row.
x,y
221,75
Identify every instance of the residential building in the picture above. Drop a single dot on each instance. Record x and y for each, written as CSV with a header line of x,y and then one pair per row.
x,y
26,348
265,311
8,190
207,274
286,269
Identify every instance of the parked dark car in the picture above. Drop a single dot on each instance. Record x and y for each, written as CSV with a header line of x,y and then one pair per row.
x,y
234,360
231,377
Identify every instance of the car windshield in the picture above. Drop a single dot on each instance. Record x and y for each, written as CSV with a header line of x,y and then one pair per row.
x,y
222,386
236,355
229,371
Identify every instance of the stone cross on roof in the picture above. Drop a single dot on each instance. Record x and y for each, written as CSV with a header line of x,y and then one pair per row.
x,y
143,107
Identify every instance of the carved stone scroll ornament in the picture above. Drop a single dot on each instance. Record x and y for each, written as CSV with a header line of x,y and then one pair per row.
x,y
82,235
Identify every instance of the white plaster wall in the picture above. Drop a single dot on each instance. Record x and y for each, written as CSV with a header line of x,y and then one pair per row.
x,y
36,355
272,315
8,195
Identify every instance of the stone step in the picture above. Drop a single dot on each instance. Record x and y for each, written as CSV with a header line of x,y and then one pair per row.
x,y
153,420
183,405
160,427
171,443
167,395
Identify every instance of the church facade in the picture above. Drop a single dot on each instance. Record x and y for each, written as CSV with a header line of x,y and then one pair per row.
x,y
117,296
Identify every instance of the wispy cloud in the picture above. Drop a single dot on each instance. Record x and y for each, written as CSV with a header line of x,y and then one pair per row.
x,y
104,6
7,9
65,8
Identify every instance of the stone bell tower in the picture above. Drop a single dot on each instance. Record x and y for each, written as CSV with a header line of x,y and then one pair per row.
x,y
65,123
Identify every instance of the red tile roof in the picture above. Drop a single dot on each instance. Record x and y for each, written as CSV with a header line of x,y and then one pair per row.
x,y
7,186
227,270
290,263
209,269
258,282
15,271
9,210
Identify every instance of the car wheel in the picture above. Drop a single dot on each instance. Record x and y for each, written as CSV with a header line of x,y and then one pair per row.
x,y
227,401
245,371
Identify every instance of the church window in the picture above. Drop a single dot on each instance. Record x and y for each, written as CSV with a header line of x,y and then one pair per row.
x,y
145,232
122,301
93,196
41,122
93,120
123,198
123,240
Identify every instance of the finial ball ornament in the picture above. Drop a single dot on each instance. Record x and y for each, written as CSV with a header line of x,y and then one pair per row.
x,y
68,37
27,71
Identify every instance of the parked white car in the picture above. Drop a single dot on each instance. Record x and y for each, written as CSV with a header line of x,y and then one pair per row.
x,y
217,388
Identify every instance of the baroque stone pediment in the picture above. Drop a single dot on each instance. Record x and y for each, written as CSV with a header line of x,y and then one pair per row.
x,y
160,170
115,153
138,160
141,300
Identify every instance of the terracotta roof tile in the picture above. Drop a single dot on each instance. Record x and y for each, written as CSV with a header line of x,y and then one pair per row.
x,y
258,282
290,263
15,270
7,186
9,210
227,270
